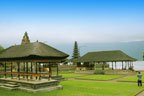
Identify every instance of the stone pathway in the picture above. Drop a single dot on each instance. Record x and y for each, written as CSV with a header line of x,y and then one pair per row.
x,y
140,94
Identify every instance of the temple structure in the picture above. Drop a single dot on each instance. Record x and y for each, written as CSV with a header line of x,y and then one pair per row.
x,y
29,66
91,59
76,53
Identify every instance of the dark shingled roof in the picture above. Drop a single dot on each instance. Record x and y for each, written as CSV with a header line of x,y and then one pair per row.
x,y
106,56
37,49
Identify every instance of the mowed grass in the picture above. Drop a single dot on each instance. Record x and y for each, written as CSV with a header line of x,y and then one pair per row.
x,y
100,77
84,88
90,77
131,78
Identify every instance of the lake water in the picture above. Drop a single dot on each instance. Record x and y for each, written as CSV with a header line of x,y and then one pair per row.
x,y
138,65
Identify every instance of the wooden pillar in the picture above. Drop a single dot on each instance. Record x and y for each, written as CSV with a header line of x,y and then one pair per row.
x,y
5,69
36,70
57,70
43,67
27,70
11,70
50,71
40,71
24,69
31,71
112,66
31,67
18,70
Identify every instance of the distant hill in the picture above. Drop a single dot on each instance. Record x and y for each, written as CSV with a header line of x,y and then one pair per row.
x,y
134,49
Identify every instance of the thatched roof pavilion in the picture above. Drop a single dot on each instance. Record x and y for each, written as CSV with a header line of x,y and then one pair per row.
x,y
107,56
36,52
28,61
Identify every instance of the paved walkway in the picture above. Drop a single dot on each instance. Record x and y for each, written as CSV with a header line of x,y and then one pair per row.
x,y
140,94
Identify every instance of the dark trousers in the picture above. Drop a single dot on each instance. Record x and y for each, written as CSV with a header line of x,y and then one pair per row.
x,y
139,82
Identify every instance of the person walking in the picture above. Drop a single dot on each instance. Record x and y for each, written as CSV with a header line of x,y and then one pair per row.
x,y
139,76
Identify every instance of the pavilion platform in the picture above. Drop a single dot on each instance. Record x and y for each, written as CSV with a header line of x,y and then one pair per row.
x,y
29,85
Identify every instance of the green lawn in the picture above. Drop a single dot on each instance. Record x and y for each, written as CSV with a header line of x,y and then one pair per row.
x,y
84,88
100,77
131,78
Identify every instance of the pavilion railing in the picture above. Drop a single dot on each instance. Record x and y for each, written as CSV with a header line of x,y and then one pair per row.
x,y
24,74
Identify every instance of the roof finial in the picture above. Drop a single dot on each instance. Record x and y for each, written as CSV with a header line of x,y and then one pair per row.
x,y
25,39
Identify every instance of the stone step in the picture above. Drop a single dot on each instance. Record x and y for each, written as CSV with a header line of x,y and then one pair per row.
x,y
9,88
10,85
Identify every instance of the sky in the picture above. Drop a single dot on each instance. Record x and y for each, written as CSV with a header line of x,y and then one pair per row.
x,y
66,21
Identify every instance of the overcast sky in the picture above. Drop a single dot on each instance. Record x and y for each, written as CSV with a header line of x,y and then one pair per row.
x,y
66,21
